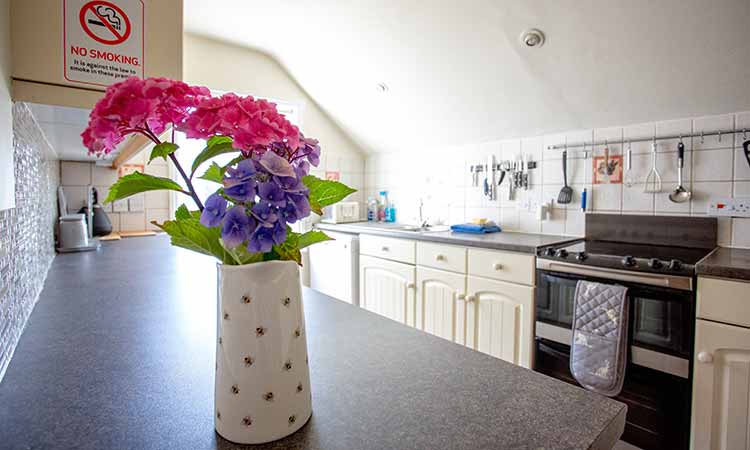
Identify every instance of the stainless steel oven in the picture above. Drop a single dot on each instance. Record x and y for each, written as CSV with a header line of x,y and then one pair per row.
x,y
658,374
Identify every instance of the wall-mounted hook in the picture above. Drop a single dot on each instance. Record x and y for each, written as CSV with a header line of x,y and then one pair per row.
x,y
680,139
702,139
744,134
719,135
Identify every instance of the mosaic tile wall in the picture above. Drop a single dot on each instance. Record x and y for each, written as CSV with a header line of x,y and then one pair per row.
x,y
27,231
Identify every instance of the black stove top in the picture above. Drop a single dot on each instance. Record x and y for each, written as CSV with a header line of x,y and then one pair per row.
x,y
671,260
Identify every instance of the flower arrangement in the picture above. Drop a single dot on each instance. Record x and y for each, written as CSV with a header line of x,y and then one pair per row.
x,y
263,190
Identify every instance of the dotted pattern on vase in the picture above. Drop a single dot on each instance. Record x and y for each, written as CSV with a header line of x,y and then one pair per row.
x,y
26,231
248,362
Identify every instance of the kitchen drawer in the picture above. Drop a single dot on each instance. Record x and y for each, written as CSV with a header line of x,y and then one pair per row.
x,y
389,248
503,266
724,301
444,257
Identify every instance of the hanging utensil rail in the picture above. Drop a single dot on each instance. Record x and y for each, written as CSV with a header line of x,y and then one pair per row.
x,y
602,142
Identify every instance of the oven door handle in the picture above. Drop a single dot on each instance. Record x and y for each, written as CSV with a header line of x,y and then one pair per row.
x,y
668,281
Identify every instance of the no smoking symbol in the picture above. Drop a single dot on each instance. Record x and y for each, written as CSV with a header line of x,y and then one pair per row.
x,y
105,22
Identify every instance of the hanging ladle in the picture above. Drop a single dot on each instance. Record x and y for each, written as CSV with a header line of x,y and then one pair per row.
x,y
680,195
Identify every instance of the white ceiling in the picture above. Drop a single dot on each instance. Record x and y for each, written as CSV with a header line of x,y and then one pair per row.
x,y
63,127
457,73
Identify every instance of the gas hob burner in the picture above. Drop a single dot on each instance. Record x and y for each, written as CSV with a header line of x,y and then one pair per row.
x,y
627,256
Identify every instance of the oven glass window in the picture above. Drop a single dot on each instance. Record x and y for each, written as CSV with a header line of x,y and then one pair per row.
x,y
660,323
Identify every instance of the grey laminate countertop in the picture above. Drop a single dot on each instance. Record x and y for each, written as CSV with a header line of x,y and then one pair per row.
x,y
119,354
726,263
515,242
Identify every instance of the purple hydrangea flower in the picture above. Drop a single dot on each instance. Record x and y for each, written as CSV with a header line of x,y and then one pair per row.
x,y
241,192
276,165
302,168
242,173
297,207
237,227
264,237
290,184
213,211
310,148
265,213
271,192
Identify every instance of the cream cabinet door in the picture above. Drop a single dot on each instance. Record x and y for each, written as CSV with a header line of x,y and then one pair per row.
x,y
721,387
387,288
501,319
441,308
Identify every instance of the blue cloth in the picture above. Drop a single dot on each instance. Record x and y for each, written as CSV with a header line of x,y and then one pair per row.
x,y
475,229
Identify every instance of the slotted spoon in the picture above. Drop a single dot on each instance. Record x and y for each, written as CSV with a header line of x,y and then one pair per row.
x,y
653,180
566,193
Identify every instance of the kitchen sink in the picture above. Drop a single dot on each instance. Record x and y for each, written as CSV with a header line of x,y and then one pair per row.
x,y
427,229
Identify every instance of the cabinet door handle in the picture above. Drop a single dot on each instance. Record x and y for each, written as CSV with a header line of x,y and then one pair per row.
x,y
461,296
470,298
410,286
440,257
384,248
705,357
497,266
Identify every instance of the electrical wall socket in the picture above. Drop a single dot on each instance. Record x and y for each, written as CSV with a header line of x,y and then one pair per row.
x,y
731,207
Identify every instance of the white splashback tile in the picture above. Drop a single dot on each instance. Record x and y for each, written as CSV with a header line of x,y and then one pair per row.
x,y
741,232
445,179
710,124
724,238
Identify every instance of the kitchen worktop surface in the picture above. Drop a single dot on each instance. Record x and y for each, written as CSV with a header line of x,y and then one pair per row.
x,y
726,263
119,354
515,242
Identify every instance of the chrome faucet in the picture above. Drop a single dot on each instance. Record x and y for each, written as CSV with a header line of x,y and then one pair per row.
x,y
422,222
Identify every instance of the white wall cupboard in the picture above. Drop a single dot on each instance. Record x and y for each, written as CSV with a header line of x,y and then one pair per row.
x,y
479,298
721,374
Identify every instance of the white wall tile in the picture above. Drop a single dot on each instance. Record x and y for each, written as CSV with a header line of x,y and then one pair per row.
x,y
528,223
157,200
75,173
606,197
714,165
509,219
664,206
741,232
703,191
156,215
634,199
741,189
575,222
556,223
103,175
667,166
533,148
133,221
710,124
114,219
157,171
639,131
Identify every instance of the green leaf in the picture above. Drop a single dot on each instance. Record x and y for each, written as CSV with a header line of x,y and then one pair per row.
x,y
242,256
190,234
137,182
182,213
312,237
325,192
214,173
289,249
215,146
162,151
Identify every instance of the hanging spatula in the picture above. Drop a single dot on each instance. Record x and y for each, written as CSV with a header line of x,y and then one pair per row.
x,y
566,193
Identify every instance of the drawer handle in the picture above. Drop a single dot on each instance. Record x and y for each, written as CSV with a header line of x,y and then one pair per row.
x,y
410,286
497,266
384,249
440,257
470,298
705,357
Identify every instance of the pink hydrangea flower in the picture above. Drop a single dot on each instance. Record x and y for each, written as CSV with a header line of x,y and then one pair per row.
x,y
145,106
253,124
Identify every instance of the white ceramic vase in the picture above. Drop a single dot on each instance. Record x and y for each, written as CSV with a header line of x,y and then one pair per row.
x,y
262,376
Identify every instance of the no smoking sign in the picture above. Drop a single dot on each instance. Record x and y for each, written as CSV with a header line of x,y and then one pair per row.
x,y
103,40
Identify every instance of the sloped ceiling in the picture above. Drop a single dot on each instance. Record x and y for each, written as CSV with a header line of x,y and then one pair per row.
x,y
456,71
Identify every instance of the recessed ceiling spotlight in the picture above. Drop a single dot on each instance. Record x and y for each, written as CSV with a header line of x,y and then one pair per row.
x,y
532,38
382,87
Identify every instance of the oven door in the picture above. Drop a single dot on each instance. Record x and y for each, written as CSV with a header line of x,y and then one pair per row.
x,y
661,318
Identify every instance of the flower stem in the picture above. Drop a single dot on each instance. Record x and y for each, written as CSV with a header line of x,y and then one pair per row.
x,y
187,181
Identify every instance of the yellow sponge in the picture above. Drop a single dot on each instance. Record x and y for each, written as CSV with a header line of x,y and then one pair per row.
x,y
479,221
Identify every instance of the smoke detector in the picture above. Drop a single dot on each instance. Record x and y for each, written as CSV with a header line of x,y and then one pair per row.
x,y
532,38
